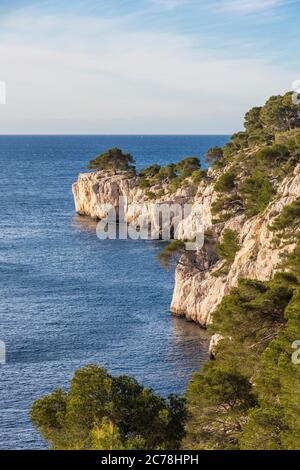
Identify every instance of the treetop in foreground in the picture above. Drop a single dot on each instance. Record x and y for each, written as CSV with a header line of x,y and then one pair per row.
x,y
102,412
113,159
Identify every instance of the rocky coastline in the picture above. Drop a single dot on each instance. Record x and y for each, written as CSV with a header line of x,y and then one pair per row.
x,y
196,295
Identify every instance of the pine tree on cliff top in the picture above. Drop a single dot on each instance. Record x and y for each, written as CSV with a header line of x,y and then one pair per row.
x,y
113,159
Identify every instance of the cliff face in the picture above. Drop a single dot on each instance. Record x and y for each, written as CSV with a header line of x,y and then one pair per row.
x,y
92,190
197,294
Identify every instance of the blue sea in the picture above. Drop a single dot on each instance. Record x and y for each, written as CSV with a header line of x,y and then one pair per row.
x,y
69,299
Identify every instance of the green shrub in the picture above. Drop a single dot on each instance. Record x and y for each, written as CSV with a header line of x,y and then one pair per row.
x,y
143,183
226,182
240,139
252,121
260,137
150,171
150,195
166,173
222,207
274,155
248,397
160,193
185,167
279,113
289,217
297,139
197,176
227,249
176,183
172,174
229,150
256,192
213,155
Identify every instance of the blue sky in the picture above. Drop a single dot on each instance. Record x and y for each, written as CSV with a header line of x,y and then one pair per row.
x,y
146,66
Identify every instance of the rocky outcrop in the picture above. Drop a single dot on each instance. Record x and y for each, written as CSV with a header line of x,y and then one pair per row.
x,y
92,191
214,341
197,294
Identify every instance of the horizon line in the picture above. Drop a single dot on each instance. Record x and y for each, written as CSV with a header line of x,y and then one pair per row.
x,y
114,135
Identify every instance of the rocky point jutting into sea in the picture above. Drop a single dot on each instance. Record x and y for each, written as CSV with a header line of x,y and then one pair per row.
x,y
196,294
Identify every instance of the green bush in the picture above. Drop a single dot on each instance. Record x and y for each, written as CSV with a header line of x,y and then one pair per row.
x,y
274,155
143,183
256,192
252,122
222,208
167,172
227,249
171,253
260,137
172,174
226,182
176,183
150,195
113,159
229,150
279,113
99,410
240,139
214,155
185,167
160,193
197,176
150,171
289,217
297,139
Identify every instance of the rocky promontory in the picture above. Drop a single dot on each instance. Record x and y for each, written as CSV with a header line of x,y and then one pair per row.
x,y
197,294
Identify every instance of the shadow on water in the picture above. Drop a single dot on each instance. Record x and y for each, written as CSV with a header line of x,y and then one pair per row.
x,y
84,223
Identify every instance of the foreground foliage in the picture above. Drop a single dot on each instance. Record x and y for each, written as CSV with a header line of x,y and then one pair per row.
x,y
104,412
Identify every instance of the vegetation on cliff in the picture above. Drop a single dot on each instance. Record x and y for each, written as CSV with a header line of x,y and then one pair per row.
x,y
256,159
173,176
226,249
289,218
175,253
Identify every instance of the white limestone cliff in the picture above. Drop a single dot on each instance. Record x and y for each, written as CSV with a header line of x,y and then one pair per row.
x,y
196,295
93,190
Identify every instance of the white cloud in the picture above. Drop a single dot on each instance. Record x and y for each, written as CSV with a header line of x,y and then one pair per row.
x,y
249,6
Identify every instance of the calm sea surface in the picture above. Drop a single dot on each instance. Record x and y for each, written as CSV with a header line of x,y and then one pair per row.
x,y
69,299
